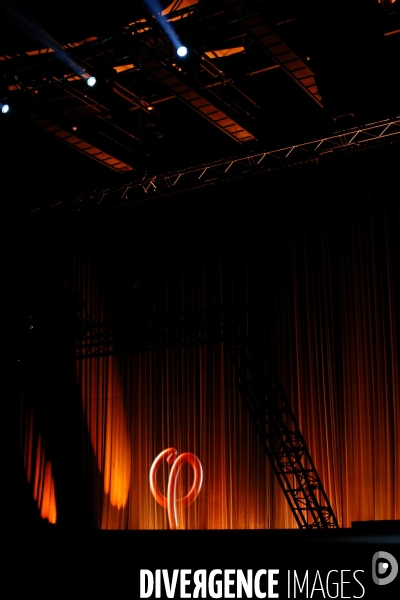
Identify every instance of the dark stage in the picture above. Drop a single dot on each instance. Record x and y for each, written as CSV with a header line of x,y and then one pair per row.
x,y
203,257
273,563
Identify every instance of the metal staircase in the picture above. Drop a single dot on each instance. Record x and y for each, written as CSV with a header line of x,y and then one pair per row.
x,y
281,437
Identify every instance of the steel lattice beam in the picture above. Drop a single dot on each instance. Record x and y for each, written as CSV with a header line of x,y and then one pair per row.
x,y
206,174
281,437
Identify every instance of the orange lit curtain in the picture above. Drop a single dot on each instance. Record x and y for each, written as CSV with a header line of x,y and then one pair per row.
x,y
340,362
137,405
38,468
185,399
320,273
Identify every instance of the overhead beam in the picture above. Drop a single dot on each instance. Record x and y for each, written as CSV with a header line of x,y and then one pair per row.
x,y
268,40
80,145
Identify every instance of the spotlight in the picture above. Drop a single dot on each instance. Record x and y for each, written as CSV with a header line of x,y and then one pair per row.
x,y
4,108
182,51
91,81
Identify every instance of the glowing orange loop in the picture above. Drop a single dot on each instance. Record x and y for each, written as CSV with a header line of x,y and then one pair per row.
x,y
171,501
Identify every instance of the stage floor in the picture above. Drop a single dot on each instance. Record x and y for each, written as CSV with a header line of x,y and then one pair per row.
x,y
227,564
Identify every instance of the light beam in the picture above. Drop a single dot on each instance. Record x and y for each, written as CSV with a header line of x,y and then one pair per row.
x,y
155,8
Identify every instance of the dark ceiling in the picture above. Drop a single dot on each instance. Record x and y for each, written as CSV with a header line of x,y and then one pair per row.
x,y
260,75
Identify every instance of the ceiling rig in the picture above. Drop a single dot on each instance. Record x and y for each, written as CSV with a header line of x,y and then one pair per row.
x,y
251,79
212,173
137,67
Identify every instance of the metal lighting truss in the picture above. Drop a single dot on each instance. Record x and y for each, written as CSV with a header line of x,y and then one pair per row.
x,y
258,383
219,171
281,437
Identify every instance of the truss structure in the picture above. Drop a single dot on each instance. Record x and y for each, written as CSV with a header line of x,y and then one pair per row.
x,y
281,437
207,174
250,65
258,383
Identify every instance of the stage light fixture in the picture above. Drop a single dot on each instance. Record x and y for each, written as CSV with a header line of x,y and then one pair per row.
x,y
91,81
182,51
4,108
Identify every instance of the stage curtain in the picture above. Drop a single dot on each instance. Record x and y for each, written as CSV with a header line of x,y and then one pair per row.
x,y
339,362
38,468
315,261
